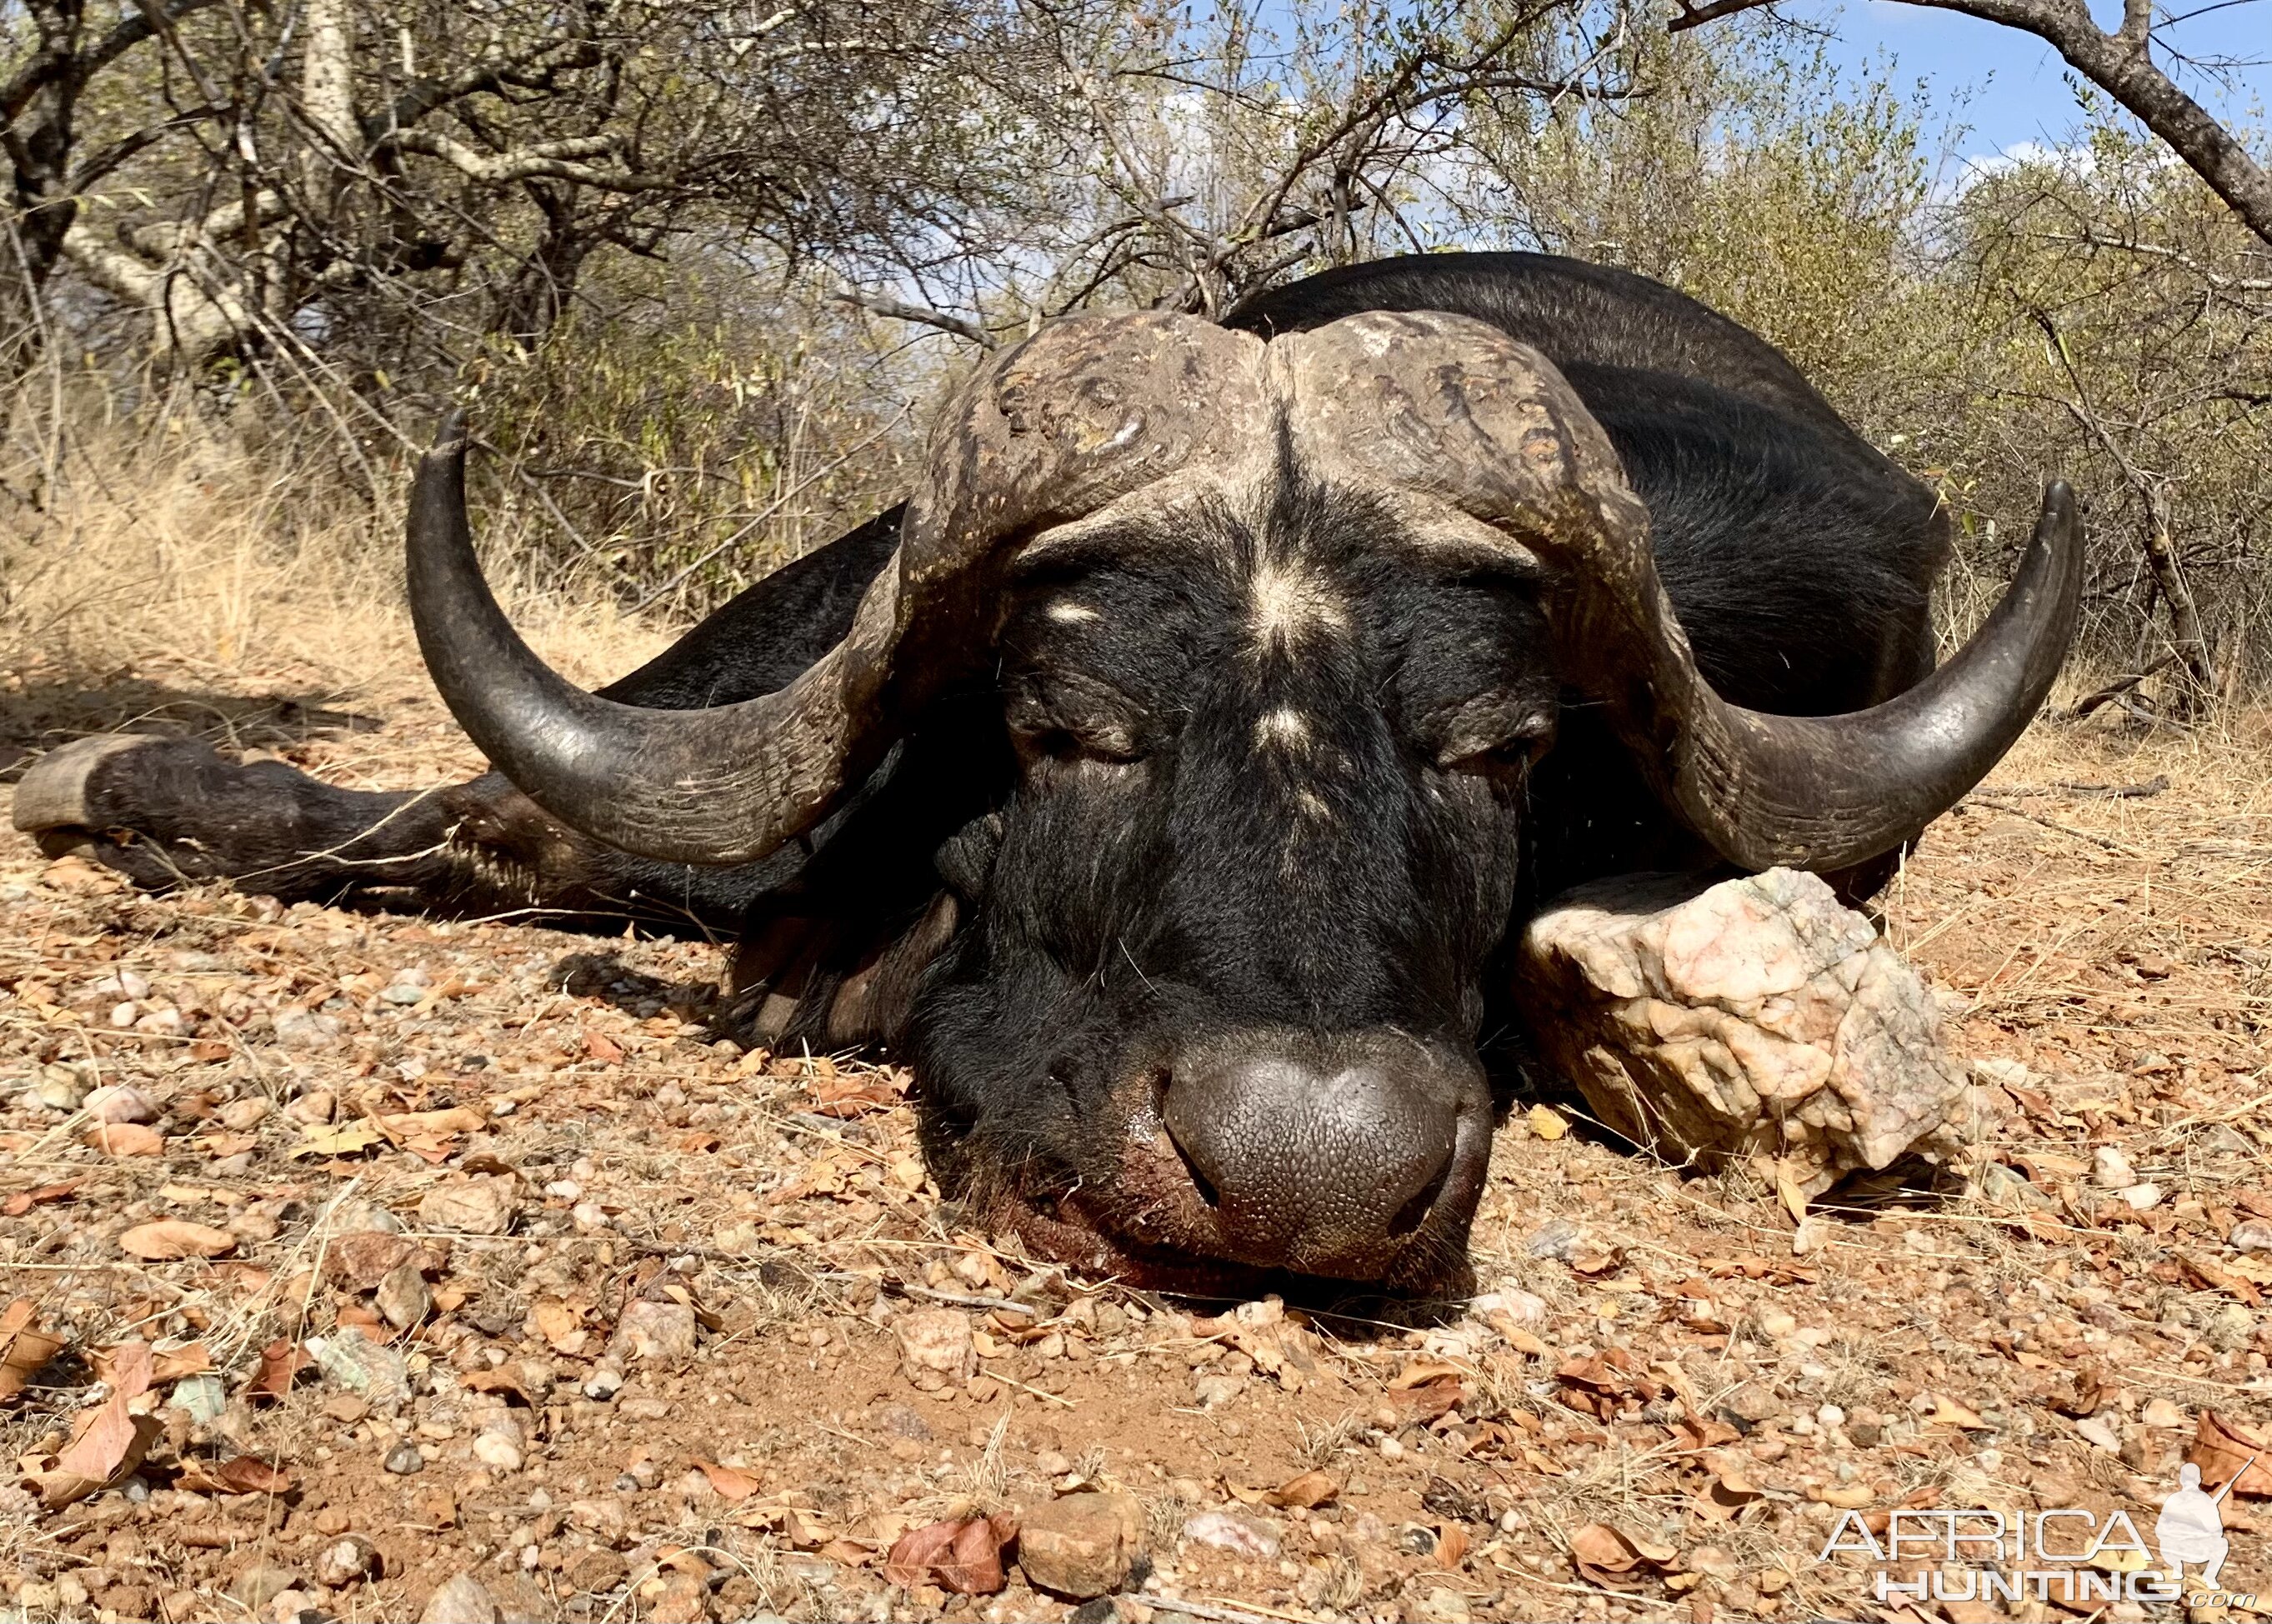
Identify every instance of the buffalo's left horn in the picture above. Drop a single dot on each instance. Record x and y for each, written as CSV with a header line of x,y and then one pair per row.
x,y
1085,411
1459,411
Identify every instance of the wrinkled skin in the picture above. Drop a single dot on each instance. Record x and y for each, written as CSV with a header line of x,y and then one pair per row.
x,y
1187,916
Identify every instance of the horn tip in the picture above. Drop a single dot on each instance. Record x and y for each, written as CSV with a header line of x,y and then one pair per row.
x,y
450,435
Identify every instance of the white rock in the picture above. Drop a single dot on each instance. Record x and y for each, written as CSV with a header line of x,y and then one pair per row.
x,y
1755,1017
2096,1431
2251,1235
121,1102
494,1448
935,1350
1228,1531
2111,1170
655,1330
2143,1196
301,1029
462,1600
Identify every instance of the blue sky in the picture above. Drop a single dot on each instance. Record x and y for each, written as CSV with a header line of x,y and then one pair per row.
x,y
2021,89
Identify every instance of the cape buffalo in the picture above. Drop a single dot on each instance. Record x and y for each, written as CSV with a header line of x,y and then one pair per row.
x,y
1161,780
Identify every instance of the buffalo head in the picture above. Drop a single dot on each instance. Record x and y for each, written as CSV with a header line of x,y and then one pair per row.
x,y
1276,631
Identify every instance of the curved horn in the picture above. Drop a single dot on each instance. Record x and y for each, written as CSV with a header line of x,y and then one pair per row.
x,y
1459,410
1073,418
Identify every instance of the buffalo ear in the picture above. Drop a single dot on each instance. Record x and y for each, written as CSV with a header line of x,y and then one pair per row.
x,y
965,860
871,1004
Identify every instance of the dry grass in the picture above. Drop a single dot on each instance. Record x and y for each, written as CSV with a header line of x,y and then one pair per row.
x,y
203,567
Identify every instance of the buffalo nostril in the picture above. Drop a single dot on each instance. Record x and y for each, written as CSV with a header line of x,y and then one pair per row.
x,y
1312,1159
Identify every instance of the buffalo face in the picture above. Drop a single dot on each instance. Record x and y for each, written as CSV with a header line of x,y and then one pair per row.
x,y
1220,988
1277,630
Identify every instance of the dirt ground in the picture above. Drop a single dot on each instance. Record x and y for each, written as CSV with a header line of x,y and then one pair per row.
x,y
609,1315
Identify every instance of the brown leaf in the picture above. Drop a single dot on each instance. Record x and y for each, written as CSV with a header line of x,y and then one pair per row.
x,y
1428,1401
1601,1554
280,1361
601,1048
2222,1447
23,1347
106,1437
1420,1371
2217,1276
422,1124
1311,1489
124,1139
243,1474
24,1201
498,1380
733,1485
961,1556
1451,1545
167,1238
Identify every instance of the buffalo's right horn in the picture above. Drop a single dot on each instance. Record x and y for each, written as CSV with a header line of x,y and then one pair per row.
x,y
1087,411
1456,410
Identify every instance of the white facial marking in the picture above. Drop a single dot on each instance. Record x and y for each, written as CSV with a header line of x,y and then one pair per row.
x,y
1282,729
1066,612
1286,601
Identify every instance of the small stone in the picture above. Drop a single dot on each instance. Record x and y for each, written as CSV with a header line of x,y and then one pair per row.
x,y
480,1205
60,1089
312,1109
362,1366
301,1029
2142,1197
935,1350
1214,1391
595,1573
2096,1430
240,1114
345,1561
2008,1188
1443,1604
1083,1544
463,1599
1236,1532
676,1599
402,1296
655,1330
404,1458
1777,1324
901,1422
2111,1170
121,1102
2251,1235
204,1396
1519,1308
261,1584
495,1448
1558,1240
605,1381
2162,1412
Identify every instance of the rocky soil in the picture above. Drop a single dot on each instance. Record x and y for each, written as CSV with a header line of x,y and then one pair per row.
x,y
364,1267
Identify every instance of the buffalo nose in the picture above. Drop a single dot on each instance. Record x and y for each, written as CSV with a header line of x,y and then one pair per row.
x,y
1321,1161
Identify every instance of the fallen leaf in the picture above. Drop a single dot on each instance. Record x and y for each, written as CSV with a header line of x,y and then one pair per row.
x,y
23,1347
2217,1276
961,1556
1947,1413
1427,1401
243,1474
1421,1371
24,1201
501,1380
1603,1555
280,1361
2222,1447
733,1485
124,1139
1311,1489
1451,1546
167,1238
338,1138
455,1119
110,1439
599,1047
